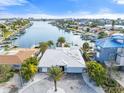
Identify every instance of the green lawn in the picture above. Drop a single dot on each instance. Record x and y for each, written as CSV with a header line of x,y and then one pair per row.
x,y
7,34
73,29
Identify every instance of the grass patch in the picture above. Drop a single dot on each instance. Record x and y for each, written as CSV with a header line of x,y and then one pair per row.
x,y
73,29
7,34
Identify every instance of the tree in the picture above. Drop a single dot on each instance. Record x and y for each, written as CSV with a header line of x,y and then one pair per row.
x,y
93,24
5,73
61,40
113,24
50,43
85,47
88,30
66,45
56,74
6,47
43,46
97,72
29,68
32,60
102,35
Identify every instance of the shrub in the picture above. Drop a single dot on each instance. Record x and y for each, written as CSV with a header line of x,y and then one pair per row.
x,y
5,73
97,72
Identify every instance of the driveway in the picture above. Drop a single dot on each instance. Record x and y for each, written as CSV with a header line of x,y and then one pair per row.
x,y
71,83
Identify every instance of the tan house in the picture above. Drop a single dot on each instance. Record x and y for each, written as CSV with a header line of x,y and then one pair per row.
x,y
17,56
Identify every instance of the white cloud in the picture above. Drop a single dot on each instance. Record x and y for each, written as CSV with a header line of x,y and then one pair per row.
x,y
105,10
121,2
102,13
75,15
4,3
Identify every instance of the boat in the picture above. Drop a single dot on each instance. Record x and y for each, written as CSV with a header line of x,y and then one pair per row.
x,y
13,37
35,46
15,46
18,34
22,32
6,42
75,33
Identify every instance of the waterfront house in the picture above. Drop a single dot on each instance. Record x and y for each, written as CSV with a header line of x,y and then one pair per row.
x,y
16,57
1,34
69,59
111,49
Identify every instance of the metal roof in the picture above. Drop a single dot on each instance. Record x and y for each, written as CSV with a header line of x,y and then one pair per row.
x,y
115,41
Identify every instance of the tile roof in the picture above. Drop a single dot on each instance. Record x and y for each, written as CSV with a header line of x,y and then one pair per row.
x,y
16,56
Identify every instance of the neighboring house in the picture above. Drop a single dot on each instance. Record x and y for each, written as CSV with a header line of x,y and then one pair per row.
x,y
16,57
69,59
1,34
111,49
116,27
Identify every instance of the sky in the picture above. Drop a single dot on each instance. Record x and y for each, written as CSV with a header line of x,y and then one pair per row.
x,y
62,8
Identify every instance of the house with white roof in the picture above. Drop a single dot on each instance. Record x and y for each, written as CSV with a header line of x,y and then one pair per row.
x,y
69,59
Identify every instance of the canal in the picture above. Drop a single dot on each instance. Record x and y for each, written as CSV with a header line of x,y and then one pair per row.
x,y
42,31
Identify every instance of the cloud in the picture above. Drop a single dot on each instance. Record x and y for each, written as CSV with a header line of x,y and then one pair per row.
x,y
102,13
105,10
4,3
75,15
121,2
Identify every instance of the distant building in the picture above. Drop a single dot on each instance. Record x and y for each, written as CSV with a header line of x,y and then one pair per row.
x,y
69,59
116,27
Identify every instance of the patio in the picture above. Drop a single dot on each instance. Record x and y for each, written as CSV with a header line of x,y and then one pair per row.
x,y
70,83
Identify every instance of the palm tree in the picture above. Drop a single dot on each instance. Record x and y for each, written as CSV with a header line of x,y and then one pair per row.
x,y
102,35
43,46
113,24
32,60
61,40
85,47
50,43
29,68
56,74
88,29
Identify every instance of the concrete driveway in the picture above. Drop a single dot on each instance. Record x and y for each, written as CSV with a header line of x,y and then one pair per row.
x,y
71,83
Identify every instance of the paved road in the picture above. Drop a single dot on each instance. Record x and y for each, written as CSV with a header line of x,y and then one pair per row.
x,y
71,83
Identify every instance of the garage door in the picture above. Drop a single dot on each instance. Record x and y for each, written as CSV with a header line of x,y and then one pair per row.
x,y
74,70
44,69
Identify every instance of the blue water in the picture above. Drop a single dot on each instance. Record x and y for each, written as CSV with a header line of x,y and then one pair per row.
x,y
42,31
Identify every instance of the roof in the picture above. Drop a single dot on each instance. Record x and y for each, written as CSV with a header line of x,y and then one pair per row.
x,y
16,56
114,41
62,57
